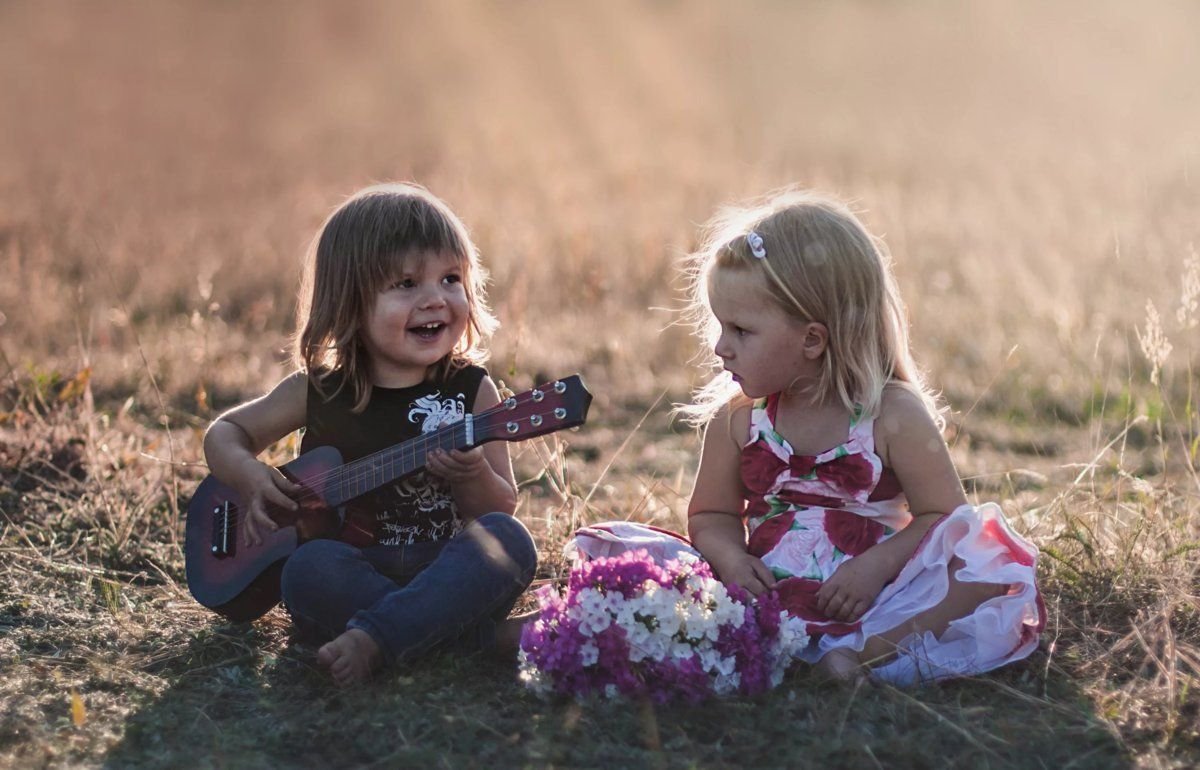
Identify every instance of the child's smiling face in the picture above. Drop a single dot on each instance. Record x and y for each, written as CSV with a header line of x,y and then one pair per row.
x,y
416,319
761,345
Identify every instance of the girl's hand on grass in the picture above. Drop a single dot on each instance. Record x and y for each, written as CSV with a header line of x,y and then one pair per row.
x,y
260,487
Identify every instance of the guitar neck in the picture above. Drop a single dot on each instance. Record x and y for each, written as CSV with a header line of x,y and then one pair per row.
x,y
373,471
545,409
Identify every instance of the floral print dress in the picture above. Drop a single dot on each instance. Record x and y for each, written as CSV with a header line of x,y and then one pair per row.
x,y
808,514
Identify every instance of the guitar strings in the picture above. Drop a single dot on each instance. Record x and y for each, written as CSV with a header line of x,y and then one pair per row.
x,y
363,467
367,467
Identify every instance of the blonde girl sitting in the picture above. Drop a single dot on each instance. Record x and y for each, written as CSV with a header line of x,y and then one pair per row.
x,y
823,473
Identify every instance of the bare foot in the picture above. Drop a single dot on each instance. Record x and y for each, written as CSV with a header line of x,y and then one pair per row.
x,y
351,658
841,665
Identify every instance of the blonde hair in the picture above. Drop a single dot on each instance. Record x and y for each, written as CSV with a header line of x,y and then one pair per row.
x,y
820,265
354,255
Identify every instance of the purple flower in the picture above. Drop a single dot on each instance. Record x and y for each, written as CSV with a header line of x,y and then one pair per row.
x,y
628,626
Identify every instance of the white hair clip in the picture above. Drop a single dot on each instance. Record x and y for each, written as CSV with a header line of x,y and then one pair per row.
x,y
757,248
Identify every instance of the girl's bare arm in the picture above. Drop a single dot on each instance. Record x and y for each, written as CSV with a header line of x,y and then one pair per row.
x,y
912,446
715,511
234,440
908,441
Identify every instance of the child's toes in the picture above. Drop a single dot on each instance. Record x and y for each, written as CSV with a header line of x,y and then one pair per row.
x,y
350,658
327,655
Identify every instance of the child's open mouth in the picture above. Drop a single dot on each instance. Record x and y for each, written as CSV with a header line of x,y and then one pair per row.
x,y
428,331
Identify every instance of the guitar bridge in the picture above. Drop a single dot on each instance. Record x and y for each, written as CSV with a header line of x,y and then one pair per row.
x,y
224,531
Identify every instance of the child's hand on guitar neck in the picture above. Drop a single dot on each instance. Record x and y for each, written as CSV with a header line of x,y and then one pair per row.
x,y
261,486
458,465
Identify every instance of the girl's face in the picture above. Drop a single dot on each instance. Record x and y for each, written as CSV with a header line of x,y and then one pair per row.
x,y
760,344
416,319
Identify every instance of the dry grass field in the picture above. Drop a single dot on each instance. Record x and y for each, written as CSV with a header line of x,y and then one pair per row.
x,y
1034,168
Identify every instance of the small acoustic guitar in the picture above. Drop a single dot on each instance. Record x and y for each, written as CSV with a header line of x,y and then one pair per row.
x,y
242,582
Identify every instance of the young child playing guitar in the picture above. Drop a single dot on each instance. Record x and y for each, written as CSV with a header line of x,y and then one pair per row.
x,y
391,338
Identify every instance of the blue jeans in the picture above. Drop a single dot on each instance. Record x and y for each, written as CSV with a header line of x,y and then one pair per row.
x,y
412,598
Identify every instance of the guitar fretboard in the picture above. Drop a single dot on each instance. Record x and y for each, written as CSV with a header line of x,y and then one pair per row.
x,y
373,471
551,407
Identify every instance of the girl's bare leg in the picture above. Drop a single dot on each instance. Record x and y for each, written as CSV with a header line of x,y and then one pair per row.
x,y
961,600
841,665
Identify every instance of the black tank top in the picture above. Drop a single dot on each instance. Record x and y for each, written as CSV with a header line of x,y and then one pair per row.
x,y
419,506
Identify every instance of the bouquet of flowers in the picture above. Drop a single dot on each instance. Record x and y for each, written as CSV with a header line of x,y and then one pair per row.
x,y
627,626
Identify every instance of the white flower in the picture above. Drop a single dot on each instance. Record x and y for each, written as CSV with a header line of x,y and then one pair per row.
x,y
624,616
710,659
725,684
591,613
792,637
589,653
591,601
681,650
699,623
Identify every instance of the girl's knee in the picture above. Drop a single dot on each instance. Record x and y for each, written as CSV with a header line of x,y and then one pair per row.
x,y
507,540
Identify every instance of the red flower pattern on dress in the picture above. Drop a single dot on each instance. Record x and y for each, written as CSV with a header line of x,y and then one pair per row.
x,y
850,533
767,535
760,469
805,513
757,508
852,473
811,514
802,466
799,597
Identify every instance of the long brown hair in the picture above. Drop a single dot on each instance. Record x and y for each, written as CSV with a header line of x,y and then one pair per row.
x,y
353,256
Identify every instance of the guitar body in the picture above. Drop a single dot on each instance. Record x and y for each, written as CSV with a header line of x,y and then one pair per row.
x,y
242,582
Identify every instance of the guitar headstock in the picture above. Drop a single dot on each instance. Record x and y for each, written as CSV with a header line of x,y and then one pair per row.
x,y
547,408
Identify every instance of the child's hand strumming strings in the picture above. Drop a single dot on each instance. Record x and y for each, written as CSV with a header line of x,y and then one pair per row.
x,y
261,486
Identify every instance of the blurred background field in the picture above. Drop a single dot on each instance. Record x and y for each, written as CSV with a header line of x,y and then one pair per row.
x,y
1033,167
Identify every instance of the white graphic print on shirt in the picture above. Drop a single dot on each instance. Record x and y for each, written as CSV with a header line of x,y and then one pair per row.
x,y
421,496
436,413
